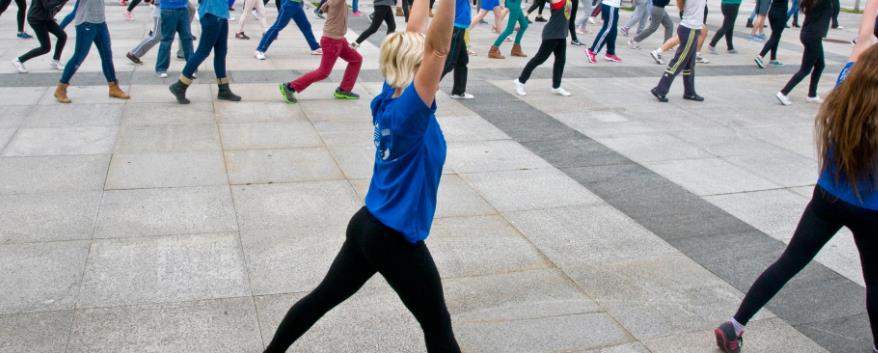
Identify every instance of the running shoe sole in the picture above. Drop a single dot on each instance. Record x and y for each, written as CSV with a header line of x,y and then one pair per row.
x,y
345,97
283,94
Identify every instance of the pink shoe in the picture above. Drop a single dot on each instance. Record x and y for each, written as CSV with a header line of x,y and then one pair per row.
x,y
128,15
592,57
123,2
613,58
357,13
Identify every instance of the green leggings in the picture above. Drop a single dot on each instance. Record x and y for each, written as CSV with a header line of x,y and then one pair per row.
x,y
515,15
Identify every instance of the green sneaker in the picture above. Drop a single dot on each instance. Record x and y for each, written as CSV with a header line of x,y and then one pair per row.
x,y
339,94
287,93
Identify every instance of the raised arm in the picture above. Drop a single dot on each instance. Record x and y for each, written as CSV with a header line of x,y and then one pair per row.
x,y
867,30
418,17
436,45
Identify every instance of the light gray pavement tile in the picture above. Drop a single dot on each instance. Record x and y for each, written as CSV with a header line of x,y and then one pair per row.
x,y
445,106
652,147
269,135
337,133
603,123
469,128
291,232
373,320
197,93
724,142
48,217
455,199
486,156
52,173
210,326
583,235
22,95
762,336
806,191
286,165
552,334
75,115
710,176
131,213
163,269
168,138
45,332
636,347
320,93
321,110
62,141
154,170
355,161
11,116
783,168
40,277
138,113
6,136
797,138
530,189
659,296
257,112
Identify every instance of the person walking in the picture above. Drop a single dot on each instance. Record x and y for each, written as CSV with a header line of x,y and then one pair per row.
x,y
729,9
639,18
259,8
846,195
516,16
128,12
290,9
607,34
675,41
174,19
458,56
539,5
155,35
387,236
761,12
383,13
836,10
19,16
571,23
657,16
688,31
794,13
777,18
494,6
41,17
91,28
554,42
815,27
214,19
335,47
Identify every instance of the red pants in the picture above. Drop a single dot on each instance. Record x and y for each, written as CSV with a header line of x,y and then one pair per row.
x,y
332,50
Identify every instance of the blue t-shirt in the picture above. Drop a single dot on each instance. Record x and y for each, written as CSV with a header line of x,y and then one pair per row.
x,y
410,153
218,8
173,4
463,15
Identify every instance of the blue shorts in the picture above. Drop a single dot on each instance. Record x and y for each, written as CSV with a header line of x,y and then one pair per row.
x,y
489,5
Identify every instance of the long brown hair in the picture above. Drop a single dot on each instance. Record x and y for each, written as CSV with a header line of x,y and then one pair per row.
x,y
847,125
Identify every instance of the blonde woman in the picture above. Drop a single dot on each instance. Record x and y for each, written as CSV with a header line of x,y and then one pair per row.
x,y
260,11
387,235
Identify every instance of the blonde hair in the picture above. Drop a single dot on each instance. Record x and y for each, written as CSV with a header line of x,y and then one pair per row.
x,y
401,53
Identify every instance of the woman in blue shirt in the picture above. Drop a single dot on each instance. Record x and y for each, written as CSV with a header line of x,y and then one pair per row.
x,y
846,195
387,235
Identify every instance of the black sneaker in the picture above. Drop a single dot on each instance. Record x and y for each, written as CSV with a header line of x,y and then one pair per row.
x,y
339,94
576,43
749,23
540,19
660,97
726,338
133,58
287,93
693,97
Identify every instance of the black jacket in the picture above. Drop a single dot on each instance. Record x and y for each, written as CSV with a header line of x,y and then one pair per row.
x,y
817,20
44,10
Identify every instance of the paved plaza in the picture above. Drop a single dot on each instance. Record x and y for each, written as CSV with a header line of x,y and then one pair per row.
x,y
604,222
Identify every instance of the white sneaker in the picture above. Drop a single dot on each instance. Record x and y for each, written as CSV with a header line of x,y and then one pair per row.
x,y
163,74
260,55
255,14
231,18
632,44
656,56
783,99
815,100
355,45
561,92
55,64
318,51
519,88
19,66
701,60
464,96
591,20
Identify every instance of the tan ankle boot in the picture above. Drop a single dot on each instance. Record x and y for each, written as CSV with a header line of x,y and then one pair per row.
x,y
117,92
516,51
494,53
61,93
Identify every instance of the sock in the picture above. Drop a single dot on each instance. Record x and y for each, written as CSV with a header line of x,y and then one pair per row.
x,y
739,329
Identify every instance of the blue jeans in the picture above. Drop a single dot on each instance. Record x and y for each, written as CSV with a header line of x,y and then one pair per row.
x,y
214,36
794,10
86,34
69,18
173,21
355,5
289,10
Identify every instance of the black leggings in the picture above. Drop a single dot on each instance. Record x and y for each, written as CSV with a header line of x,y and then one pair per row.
x,y
813,62
778,24
538,4
406,8
548,47
824,216
372,247
132,4
571,24
836,8
42,30
730,14
22,9
383,13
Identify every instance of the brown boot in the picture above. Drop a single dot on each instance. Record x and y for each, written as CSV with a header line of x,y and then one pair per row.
x,y
516,51
494,53
61,93
117,92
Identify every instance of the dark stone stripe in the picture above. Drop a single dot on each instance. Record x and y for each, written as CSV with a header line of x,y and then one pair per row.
x,y
820,303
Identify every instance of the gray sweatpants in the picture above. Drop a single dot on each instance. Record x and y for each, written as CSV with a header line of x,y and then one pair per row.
x,y
641,7
658,16
155,36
